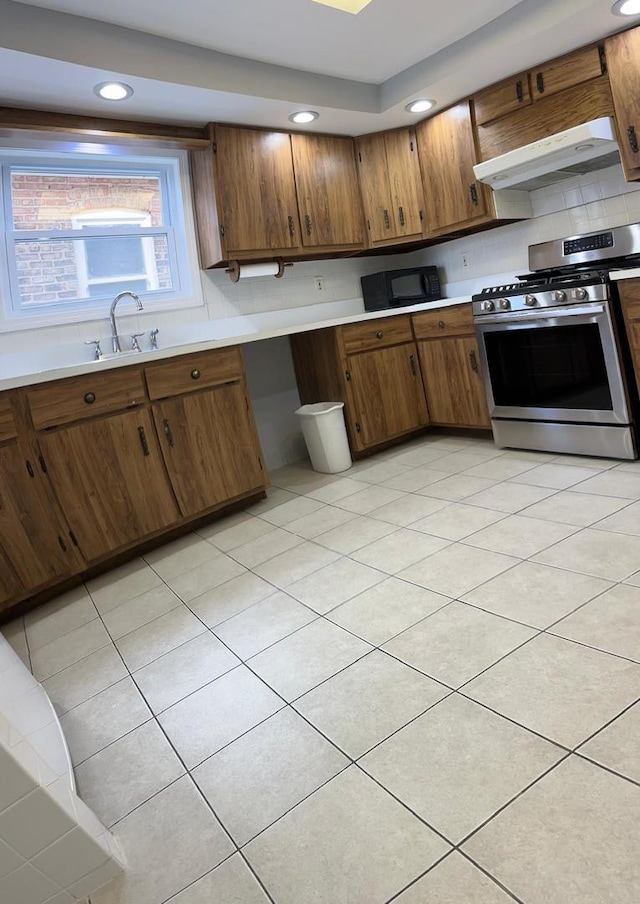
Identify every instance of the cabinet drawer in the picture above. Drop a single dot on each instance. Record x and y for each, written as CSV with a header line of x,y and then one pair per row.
x,y
85,396
194,372
361,337
7,424
454,321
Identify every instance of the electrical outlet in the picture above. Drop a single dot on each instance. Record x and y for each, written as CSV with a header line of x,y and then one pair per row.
x,y
318,282
465,259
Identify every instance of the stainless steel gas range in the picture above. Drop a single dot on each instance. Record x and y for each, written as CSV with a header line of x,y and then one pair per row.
x,y
554,353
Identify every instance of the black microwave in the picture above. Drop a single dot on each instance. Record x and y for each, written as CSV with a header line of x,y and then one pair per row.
x,y
396,288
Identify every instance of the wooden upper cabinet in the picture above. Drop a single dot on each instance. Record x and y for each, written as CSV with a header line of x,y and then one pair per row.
x,y
446,145
566,72
256,191
391,185
623,62
505,97
329,201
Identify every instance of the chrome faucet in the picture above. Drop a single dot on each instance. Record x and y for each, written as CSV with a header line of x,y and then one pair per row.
x,y
115,339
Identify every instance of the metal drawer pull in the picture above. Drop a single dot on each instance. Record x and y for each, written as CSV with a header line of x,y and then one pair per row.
x,y
441,324
633,139
89,397
379,334
166,427
412,362
519,91
143,441
474,361
540,83
195,374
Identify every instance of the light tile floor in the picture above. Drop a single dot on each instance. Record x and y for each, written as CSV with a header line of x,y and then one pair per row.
x,y
418,681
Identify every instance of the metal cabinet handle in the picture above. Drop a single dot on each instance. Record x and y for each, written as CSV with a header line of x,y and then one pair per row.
x,y
89,397
379,334
540,83
166,428
401,216
307,223
358,428
143,441
30,470
473,193
633,139
62,544
347,376
519,91
412,362
441,324
387,219
195,374
292,227
473,359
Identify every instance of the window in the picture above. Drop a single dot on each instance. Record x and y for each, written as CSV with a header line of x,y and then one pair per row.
x,y
79,228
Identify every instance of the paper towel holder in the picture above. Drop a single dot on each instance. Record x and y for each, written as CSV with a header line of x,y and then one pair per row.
x,y
235,267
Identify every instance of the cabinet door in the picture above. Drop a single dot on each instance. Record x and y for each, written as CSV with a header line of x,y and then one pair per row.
x,y
403,169
36,544
447,155
453,382
256,190
209,446
376,188
623,63
10,587
505,97
630,296
327,186
565,72
110,480
386,389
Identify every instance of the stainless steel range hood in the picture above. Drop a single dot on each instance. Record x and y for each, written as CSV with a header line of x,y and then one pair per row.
x,y
576,151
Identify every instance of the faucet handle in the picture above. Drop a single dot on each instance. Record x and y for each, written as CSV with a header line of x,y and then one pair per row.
x,y
135,345
97,352
153,335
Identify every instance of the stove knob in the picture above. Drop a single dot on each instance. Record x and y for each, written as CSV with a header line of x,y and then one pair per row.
x,y
487,306
559,295
504,304
530,301
580,294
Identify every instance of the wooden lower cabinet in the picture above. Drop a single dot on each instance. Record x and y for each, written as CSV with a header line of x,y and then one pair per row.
x,y
110,480
206,464
386,393
629,290
93,466
453,382
32,538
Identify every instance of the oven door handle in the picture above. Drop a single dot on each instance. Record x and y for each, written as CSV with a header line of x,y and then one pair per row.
x,y
541,315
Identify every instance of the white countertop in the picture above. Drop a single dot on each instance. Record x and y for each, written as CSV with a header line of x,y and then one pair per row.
x,y
17,370
625,274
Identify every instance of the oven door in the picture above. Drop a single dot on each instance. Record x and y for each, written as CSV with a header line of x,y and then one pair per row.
x,y
560,365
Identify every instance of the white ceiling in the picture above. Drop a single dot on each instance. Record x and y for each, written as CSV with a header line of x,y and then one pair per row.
x,y
254,61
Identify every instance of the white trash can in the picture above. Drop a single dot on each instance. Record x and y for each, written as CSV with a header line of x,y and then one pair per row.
x,y
326,436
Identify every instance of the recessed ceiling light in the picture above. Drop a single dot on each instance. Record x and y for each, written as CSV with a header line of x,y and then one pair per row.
x,y
626,8
420,106
113,90
347,6
302,117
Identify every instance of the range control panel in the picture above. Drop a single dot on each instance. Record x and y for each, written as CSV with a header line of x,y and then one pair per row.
x,y
588,243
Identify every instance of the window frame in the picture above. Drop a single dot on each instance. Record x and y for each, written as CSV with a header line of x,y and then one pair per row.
x,y
172,166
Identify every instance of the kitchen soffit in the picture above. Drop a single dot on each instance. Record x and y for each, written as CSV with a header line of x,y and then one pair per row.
x,y
203,62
